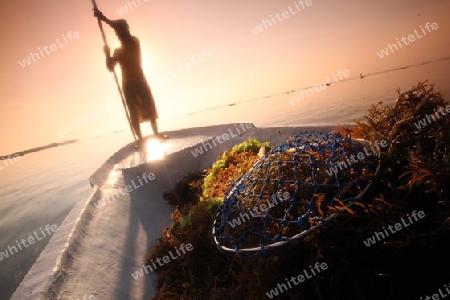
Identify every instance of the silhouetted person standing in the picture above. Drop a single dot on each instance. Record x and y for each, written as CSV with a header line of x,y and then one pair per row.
x,y
136,90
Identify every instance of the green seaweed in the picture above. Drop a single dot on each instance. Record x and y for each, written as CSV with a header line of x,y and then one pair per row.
x,y
251,145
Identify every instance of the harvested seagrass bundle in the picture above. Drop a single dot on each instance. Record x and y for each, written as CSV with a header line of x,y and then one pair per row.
x,y
292,190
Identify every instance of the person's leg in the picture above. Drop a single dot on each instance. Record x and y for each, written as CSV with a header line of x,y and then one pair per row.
x,y
135,123
149,106
131,100
154,126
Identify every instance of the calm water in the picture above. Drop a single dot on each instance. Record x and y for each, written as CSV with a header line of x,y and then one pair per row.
x,y
42,187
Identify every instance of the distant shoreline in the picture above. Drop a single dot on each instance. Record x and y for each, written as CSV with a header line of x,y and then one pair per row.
x,y
360,76
36,149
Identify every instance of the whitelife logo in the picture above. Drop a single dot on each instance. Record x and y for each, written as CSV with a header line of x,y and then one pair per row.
x,y
205,56
322,85
53,47
9,161
128,189
437,296
266,24
318,267
130,4
50,229
422,123
360,155
281,197
165,260
87,119
378,236
411,38
221,138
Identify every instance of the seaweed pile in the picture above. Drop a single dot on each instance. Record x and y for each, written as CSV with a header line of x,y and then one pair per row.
x,y
291,192
408,264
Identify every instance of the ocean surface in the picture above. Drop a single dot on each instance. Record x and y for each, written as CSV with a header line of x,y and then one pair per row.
x,y
42,187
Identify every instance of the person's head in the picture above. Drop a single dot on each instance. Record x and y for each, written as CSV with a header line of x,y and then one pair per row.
x,y
122,29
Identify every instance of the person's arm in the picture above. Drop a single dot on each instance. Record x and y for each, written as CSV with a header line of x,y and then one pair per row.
x,y
110,60
99,15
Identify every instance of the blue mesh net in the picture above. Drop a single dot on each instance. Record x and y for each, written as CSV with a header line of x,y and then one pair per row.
x,y
293,190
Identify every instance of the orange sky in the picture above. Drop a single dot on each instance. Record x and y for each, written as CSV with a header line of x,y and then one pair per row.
x,y
71,82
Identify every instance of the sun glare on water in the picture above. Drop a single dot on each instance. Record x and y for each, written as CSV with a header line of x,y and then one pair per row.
x,y
155,150
114,175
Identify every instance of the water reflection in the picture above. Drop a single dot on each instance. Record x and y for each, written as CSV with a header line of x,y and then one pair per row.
x,y
113,175
155,149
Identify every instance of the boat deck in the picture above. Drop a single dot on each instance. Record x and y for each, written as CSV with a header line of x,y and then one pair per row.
x,y
104,239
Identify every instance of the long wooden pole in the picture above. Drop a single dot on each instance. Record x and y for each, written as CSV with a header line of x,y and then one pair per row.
x,y
100,25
